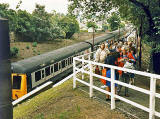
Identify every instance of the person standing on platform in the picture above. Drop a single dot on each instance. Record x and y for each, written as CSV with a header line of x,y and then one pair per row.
x,y
132,59
124,77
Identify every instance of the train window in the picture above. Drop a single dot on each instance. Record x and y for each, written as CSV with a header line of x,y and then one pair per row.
x,y
66,62
59,65
63,63
16,82
47,71
56,67
72,60
51,69
69,61
43,75
37,76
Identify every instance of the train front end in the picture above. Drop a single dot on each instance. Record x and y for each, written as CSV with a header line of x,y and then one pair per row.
x,y
19,85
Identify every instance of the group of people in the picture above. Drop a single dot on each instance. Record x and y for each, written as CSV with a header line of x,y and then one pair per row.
x,y
119,53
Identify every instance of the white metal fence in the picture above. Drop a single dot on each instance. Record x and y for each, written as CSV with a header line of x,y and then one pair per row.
x,y
84,60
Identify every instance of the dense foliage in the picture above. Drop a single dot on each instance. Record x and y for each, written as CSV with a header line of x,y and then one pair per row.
x,y
139,12
14,51
92,25
114,21
69,25
143,14
38,25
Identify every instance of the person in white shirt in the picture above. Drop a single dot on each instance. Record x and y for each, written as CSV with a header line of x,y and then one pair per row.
x,y
107,49
101,53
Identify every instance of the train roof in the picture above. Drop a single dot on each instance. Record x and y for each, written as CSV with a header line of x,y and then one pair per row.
x,y
40,61
37,62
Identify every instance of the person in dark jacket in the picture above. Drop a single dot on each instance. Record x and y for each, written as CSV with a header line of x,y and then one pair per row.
x,y
111,60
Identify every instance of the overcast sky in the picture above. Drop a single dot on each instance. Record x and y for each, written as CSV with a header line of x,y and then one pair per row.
x,y
29,5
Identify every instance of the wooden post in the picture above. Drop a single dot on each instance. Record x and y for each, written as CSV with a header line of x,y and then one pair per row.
x,y
91,81
83,67
112,89
74,74
152,98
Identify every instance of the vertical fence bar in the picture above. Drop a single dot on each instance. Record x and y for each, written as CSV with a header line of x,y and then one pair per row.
x,y
152,98
74,73
83,67
91,81
112,88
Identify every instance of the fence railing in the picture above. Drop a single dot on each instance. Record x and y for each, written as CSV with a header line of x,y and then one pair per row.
x,y
84,60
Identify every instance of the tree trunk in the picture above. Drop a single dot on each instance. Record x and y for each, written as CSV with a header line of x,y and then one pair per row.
x,y
140,51
148,15
93,38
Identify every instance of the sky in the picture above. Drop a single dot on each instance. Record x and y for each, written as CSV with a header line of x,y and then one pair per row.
x,y
29,5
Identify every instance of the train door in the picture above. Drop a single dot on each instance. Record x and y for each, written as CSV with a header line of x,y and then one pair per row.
x,y
19,85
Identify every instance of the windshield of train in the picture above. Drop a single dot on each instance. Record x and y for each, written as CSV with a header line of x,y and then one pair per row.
x,y
16,82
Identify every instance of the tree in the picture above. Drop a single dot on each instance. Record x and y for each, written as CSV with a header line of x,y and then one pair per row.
x,y
38,26
132,10
114,21
42,24
105,27
139,12
9,14
122,25
92,25
69,25
24,30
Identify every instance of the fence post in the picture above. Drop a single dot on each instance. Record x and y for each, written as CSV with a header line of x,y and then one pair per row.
x,y
74,73
112,89
152,98
91,80
82,67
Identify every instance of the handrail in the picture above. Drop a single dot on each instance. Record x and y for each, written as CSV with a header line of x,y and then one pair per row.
x,y
119,68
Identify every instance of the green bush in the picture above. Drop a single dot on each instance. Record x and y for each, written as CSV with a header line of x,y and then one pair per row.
x,y
27,47
14,51
69,25
34,51
34,44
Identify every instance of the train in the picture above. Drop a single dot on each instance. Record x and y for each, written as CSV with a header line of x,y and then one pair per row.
x,y
32,72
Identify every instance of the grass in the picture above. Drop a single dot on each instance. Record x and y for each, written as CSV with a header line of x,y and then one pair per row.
x,y
63,102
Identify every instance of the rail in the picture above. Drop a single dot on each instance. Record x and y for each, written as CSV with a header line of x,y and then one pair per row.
x,y
85,61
